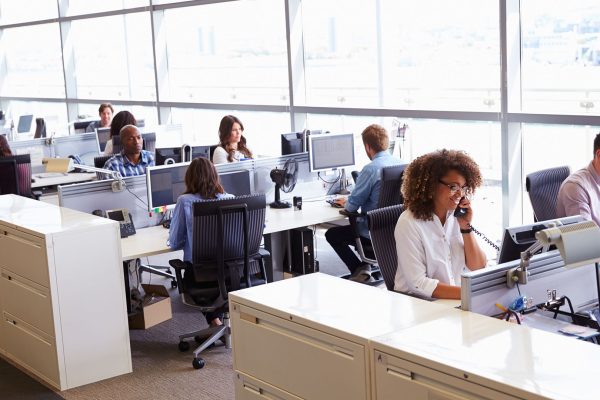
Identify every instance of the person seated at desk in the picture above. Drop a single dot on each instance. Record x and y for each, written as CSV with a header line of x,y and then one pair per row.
x,y
201,183
364,196
120,119
132,160
106,113
232,144
434,247
579,194
5,150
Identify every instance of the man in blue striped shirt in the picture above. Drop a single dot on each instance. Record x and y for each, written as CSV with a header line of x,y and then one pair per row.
x,y
132,160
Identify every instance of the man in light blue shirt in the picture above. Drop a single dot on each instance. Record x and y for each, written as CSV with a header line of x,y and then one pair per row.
x,y
364,197
132,160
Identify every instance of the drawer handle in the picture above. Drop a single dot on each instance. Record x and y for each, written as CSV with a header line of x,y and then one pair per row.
x,y
253,388
400,373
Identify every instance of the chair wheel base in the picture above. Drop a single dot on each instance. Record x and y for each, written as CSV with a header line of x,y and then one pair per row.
x,y
198,363
183,346
174,284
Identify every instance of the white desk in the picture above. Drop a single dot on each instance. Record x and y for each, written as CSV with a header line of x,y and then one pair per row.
x,y
306,338
72,177
153,240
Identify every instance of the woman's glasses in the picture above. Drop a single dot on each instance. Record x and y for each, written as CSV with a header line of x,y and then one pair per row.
x,y
455,188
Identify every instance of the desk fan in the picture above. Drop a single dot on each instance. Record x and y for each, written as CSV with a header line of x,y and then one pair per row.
x,y
284,179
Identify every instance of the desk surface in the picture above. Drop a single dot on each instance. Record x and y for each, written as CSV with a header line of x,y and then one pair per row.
x,y
72,177
498,354
153,240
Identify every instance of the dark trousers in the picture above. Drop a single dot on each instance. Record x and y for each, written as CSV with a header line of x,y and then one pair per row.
x,y
341,238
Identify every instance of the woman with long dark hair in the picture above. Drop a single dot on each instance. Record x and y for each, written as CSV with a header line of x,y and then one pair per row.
x,y
202,183
5,150
232,143
121,119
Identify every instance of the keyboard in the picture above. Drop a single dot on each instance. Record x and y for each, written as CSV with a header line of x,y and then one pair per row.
x,y
49,175
334,204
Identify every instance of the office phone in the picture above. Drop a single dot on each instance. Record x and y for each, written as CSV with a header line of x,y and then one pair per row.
x,y
122,216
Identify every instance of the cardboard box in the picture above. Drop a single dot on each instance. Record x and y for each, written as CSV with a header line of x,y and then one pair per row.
x,y
156,308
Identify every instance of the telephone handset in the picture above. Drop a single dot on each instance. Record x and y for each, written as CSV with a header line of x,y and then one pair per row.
x,y
459,212
123,217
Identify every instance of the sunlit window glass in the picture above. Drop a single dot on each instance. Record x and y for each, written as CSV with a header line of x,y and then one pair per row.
x,y
33,62
561,56
76,7
15,11
113,57
233,52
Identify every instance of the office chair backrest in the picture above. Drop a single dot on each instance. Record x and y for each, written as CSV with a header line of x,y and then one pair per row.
x,y
149,141
212,150
543,187
117,147
100,161
391,181
24,174
9,183
228,228
382,222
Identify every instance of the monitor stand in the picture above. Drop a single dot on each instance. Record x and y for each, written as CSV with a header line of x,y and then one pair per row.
x,y
343,183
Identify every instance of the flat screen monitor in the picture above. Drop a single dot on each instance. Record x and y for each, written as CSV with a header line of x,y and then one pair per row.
x,y
200,151
25,122
103,135
168,155
291,143
517,239
237,183
166,183
330,151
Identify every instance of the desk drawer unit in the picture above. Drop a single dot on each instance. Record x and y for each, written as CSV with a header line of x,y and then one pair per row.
x,y
247,388
395,378
24,254
27,301
31,347
304,362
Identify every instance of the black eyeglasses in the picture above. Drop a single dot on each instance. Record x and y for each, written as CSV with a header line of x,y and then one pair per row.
x,y
455,188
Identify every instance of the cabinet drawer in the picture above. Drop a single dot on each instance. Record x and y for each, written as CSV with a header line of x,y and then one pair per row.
x,y
393,375
27,301
31,348
24,254
296,359
248,388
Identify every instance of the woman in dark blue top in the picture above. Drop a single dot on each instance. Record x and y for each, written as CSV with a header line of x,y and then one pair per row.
x,y
202,183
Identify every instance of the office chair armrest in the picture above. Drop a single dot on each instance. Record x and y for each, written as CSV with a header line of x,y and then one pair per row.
x,y
179,266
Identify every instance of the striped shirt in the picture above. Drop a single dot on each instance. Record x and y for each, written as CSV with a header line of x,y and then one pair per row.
x,y
120,163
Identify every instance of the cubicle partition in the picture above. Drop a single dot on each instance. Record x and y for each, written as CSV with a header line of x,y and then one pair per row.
x,y
90,196
85,145
481,290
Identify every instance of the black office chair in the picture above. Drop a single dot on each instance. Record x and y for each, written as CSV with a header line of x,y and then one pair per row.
x,y
389,194
9,181
149,141
382,223
99,163
226,256
543,187
24,173
212,150
116,143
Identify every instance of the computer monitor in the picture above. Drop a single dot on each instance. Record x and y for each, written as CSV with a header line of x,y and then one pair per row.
x,y
201,151
517,239
237,183
24,125
291,143
166,183
330,151
168,155
103,135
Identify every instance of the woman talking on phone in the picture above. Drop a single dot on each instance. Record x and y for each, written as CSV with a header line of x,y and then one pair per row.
x,y
434,240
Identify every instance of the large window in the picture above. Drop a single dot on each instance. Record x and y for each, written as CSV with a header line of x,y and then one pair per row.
x,y
431,54
561,56
33,63
75,7
112,57
232,52
17,11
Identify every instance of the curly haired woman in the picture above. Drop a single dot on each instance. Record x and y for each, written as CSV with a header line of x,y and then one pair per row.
x,y
434,246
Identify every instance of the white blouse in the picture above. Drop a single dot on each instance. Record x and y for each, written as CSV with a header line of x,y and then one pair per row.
x,y
428,253
220,156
